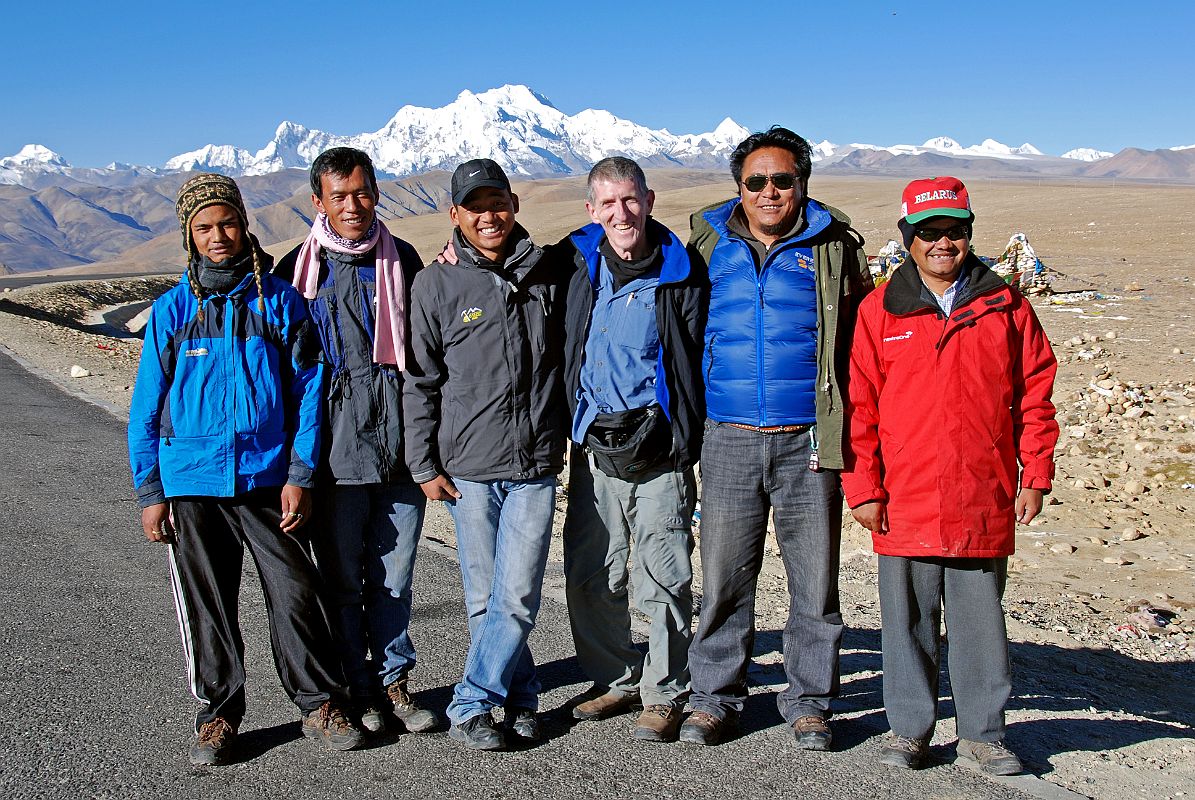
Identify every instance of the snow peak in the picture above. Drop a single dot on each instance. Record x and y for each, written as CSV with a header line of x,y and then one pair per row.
x,y
198,351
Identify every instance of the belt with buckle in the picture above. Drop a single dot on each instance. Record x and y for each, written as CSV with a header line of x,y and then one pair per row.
x,y
771,428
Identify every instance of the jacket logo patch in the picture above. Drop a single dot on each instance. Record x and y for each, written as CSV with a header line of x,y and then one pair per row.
x,y
471,315
805,261
899,336
198,351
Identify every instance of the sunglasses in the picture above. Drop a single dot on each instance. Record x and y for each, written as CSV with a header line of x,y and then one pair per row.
x,y
781,180
934,234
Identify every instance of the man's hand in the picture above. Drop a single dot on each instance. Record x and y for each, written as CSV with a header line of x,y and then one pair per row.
x,y
155,521
440,487
1029,503
447,255
296,507
873,516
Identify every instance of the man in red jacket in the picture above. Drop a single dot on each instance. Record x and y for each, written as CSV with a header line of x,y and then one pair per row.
x,y
950,383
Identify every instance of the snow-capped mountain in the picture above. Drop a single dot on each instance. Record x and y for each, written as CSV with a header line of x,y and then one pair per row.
x,y
34,155
1086,154
518,128
941,145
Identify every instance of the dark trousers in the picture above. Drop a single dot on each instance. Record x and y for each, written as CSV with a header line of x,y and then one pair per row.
x,y
206,574
744,476
912,591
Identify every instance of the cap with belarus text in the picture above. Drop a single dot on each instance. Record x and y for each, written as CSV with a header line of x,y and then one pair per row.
x,y
935,197
477,174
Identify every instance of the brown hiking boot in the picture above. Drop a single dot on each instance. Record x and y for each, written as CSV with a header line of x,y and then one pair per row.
x,y
414,718
607,704
812,733
213,743
992,757
658,723
332,726
705,729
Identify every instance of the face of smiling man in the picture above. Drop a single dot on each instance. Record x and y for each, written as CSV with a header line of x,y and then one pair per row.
x,y
771,212
349,201
486,218
622,211
940,260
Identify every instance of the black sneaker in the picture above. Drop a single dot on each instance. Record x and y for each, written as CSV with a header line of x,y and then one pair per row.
x,y
331,725
478,733
523,723
213,743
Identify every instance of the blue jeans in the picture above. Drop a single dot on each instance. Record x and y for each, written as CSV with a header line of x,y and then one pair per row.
x,y
503,529
744,475
365,542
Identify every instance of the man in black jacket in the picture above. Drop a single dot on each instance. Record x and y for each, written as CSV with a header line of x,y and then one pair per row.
x,y
485,433
633,382
356,277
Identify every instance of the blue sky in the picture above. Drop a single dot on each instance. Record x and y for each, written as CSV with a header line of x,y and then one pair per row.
x,y
139,82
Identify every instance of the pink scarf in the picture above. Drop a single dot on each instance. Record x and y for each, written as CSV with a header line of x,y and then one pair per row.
x,y
389,335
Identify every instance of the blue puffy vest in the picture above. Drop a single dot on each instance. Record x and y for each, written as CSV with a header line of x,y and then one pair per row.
x,y
760,360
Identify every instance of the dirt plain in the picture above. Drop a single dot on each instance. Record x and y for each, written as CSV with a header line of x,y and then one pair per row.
x,y
1101,597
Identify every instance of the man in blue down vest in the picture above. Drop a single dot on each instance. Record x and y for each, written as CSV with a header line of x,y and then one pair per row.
x,y
786,277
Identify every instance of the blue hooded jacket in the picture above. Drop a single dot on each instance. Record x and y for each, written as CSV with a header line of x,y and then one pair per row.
x,y
229,404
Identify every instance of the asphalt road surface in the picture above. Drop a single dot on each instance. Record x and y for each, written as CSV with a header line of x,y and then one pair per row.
x,y
93,701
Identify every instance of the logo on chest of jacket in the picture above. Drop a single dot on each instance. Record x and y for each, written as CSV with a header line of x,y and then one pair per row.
x,y
198,351
471,315
899,336
805,261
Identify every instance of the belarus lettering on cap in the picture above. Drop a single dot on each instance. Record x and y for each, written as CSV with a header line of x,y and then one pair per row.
x,y
935,197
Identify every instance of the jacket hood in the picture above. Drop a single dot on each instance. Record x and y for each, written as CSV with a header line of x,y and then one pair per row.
x,y
903,295
674,269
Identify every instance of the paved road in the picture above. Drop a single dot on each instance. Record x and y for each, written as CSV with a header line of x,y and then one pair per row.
x,y
93,704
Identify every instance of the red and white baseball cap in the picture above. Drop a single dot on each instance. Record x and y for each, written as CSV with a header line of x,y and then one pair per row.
x,y
935,197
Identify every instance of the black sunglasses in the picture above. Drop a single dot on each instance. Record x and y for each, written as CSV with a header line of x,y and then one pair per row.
x,y
781,180
934,234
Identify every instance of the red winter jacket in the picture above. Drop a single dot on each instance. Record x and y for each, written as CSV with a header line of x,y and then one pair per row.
x,y
940,411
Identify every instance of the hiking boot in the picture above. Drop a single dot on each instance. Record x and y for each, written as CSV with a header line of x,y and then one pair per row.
x,y
812,733
373,719
213,743
902,751
523,723
478,733
992,757
329,724
657,723
413,718
604,705
704,729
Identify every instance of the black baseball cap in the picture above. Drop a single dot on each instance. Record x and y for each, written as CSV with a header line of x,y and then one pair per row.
x,y
476,174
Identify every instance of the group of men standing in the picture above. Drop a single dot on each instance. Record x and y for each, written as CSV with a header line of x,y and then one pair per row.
x,y
751,349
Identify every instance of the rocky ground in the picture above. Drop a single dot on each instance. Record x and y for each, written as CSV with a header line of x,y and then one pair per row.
x,y
1101,598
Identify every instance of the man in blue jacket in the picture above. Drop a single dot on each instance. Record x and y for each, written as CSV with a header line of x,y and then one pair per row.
x,y
357,277
224,433
633,382
786,277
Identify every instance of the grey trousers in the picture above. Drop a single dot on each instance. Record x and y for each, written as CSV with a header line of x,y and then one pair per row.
x,y
912,591
744,476
604,516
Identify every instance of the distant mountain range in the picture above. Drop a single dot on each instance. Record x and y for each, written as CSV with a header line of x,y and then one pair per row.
x,y
53,214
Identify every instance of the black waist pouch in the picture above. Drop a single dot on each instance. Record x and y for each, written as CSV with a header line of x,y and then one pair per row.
x,y
627,444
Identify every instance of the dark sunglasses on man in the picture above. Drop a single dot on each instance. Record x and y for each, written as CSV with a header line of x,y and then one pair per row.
x,y
781,180
953,233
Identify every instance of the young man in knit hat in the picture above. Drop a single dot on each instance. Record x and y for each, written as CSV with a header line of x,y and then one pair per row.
x,y
356,278
223,435
485,433
950,383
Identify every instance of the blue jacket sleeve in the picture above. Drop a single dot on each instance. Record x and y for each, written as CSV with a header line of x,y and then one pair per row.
x,y
307,389
145,411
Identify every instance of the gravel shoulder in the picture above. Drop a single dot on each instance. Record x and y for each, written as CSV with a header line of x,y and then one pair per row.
x,y
1101,598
